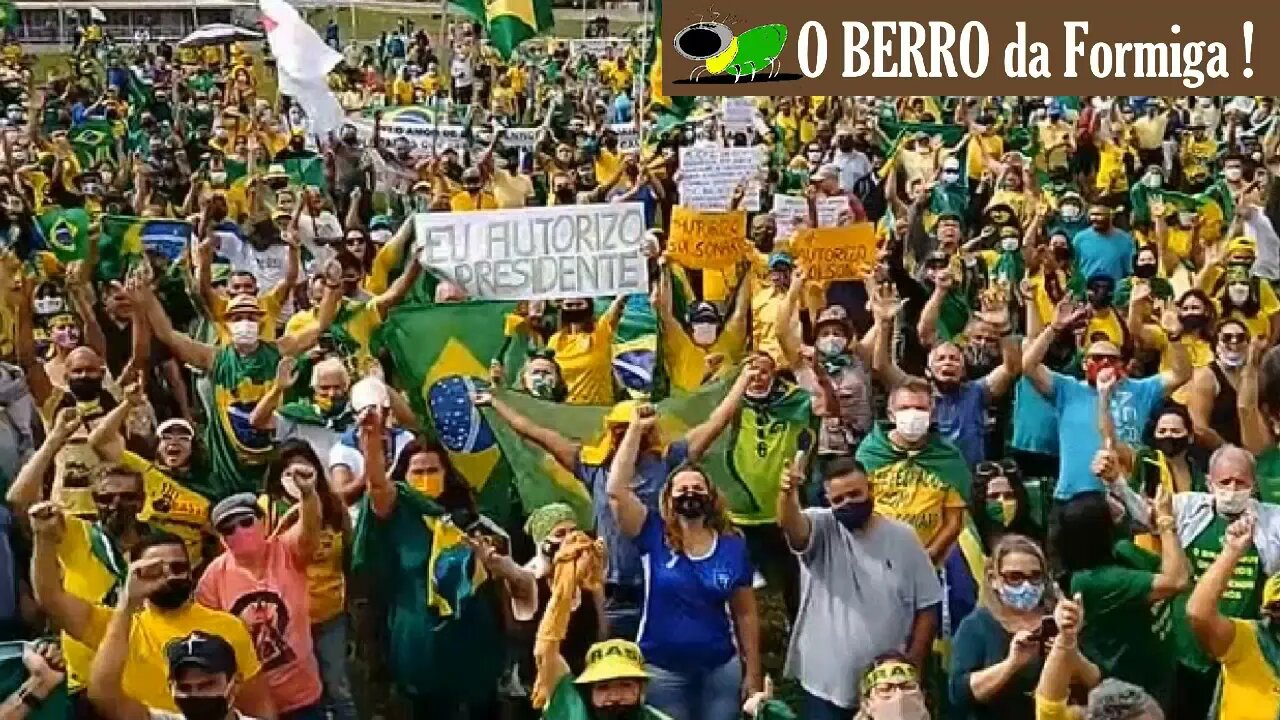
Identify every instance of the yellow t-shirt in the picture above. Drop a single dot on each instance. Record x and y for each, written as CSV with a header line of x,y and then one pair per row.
x,y
608,165
402,92
1109,324
1055,710
511,190
907,492
993,145
1196,156
86,577
360,320
764,322
146,672
586,362
379,279
717,285
271,303
1150,131
1250,690
1111,159
688,363
518,78
462,201
325,581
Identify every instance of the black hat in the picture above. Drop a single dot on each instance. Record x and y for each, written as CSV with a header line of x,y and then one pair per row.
x,y
203,650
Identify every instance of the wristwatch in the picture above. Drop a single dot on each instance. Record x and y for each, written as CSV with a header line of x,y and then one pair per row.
x,y
29,698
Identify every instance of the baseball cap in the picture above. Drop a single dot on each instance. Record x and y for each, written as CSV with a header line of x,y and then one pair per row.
x,y
613,660
833,314
369,392
829,171
703,311
234,506
175,424
201,650
780,259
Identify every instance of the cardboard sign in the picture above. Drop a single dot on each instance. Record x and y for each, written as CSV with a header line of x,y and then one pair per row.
x,y
842,253
703,240
738,114
538,253
708,177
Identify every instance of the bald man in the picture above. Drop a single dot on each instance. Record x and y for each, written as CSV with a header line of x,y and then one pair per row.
x,y
320,419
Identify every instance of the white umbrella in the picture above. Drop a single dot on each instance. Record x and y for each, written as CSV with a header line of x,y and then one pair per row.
x,y
219,34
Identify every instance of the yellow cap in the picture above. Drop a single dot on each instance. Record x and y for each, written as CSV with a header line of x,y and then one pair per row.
x,y
620,414
613,660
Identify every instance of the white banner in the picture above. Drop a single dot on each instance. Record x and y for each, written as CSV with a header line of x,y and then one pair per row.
x,y
442,137
708,177
546,253
790,211
738,114
600,47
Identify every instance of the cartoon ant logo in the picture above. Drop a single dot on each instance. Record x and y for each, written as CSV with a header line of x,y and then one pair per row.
x,y
713,43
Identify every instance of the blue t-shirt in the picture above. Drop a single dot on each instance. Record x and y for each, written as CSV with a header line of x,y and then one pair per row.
x,y
962,418
1110,254
651,474
1035,421
686,625
1132,403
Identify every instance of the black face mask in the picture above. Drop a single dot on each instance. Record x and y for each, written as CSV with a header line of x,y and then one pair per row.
x,y
979,359
349,139
203,707
565,195
846,144
1172,446
854,515
1100,298
616,712
85,389
120,518
692,506
173,595
550,548
1061,254
1193,322
1145,272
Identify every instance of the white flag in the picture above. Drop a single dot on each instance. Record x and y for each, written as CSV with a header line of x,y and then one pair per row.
x,y
303,63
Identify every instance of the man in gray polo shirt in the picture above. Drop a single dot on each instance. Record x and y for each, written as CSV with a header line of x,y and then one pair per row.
x,y
866,588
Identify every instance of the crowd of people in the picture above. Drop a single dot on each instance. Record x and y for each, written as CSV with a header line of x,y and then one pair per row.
x,y
1024,465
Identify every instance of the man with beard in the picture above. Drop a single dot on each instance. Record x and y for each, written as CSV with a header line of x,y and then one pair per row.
x,y
168,614
1076,401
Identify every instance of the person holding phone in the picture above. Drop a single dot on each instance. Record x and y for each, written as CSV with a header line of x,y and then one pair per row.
x,y
998,650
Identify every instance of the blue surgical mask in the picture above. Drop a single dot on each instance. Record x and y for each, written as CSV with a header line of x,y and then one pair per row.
x,y
1023,597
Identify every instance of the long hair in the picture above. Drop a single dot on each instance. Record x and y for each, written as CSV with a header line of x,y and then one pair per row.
x,y
1210,312
989,530
717,519
332,512
456,494
1018,544
1084,532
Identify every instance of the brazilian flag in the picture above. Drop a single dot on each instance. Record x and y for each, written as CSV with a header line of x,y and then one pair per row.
x,y
64,233
442,355
8,15
509,22
671,110
125,237
93,142
306,171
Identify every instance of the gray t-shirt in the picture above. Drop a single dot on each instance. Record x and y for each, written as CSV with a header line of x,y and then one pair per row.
x,y
859,594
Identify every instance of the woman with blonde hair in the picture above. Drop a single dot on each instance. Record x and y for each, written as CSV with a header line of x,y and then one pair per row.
x,y
999,649
698,581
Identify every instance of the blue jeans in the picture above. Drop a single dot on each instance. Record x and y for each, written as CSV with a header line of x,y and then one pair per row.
x,y
815,708
330,639
714,694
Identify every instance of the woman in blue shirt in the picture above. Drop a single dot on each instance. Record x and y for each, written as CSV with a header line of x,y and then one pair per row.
x,y
698,577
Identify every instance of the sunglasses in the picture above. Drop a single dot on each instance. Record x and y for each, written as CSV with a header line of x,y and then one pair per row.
x,y
108,499
1013,577
245,522
887,688
1233,338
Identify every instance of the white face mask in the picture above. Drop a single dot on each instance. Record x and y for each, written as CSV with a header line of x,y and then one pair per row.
x,y
831,345
1230,358
703,333
902,706
1186,218
1239,294
244,332
48,305
1153,180
912,424
1010,244
1070,213
1232,173
1230,502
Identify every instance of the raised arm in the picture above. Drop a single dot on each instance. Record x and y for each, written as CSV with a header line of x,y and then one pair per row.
x,y
1255,430
796,526
263,415
399,289
106,690
189,351
24,344
66,610
627,507
303,340
28,488
1179,371
1175,573
885,306
306,533
1066,315
787,328
702,436
563,450
382,492
927,326
107,436
1212,630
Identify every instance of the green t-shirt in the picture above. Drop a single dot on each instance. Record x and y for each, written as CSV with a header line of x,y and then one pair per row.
x,y
238,452
1268,470
1126,635
566,703
1241,600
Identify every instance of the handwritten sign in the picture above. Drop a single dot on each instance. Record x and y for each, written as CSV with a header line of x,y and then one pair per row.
x,y
738,114
790,212
599,47
841,253
547,253
704,240
709,176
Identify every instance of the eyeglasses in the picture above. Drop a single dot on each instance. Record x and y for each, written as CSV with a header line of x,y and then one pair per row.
x,y
102,498
230,526
884,689
1233,338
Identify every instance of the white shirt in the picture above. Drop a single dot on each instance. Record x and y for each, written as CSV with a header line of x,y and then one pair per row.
x,y
460,68
317,231
853,167
269,265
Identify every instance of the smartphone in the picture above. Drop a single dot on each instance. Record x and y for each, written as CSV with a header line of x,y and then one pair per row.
x,y
484,527
1048,629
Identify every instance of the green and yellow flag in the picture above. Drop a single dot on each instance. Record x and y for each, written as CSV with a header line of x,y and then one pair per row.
x,y
64,233
509,22
93,142
8,15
